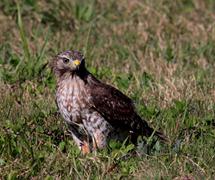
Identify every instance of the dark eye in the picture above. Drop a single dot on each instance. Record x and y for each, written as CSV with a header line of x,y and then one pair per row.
x,y
65,60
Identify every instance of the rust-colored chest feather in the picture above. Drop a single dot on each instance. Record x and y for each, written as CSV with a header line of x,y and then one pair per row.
x,y
72,98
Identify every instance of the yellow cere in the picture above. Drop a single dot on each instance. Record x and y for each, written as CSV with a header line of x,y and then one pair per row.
x,y
77,62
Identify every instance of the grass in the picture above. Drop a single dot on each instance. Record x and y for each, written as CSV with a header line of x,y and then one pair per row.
x,y
160,53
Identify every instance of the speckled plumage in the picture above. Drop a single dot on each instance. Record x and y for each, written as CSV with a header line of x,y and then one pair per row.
x,y
73,102
95,112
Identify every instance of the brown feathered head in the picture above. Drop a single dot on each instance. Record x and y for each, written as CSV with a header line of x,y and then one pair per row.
x,y
67,61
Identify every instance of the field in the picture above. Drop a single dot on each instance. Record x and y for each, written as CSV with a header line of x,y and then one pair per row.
x,y
160,53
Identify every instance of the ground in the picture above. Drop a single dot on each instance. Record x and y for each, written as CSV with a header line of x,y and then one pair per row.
x,y
161,53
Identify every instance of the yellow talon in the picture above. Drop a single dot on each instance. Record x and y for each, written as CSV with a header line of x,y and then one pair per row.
x,y
85,148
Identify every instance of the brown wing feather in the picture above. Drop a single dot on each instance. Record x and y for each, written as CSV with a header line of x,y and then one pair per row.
x,y
117,108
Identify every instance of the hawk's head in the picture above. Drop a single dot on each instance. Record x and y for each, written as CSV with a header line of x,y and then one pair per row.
x,y
67,61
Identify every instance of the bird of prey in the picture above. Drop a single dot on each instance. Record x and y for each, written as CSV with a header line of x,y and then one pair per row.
x,y
95,112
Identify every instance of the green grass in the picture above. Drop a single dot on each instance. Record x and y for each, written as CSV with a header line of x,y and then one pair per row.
x,y
161,53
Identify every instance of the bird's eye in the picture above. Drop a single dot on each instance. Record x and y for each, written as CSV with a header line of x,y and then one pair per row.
x,y
65,60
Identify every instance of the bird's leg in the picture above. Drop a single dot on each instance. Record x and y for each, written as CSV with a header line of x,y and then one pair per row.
x,y
94,144
77,140
81,140
85,147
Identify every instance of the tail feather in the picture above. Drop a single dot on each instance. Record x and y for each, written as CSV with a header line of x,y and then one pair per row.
x,y
146,130
162,137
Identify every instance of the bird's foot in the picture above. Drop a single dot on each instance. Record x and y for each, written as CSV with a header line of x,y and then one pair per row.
x,y
85,148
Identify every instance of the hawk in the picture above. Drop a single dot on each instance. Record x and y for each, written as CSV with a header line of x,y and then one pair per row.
x,y
94,111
